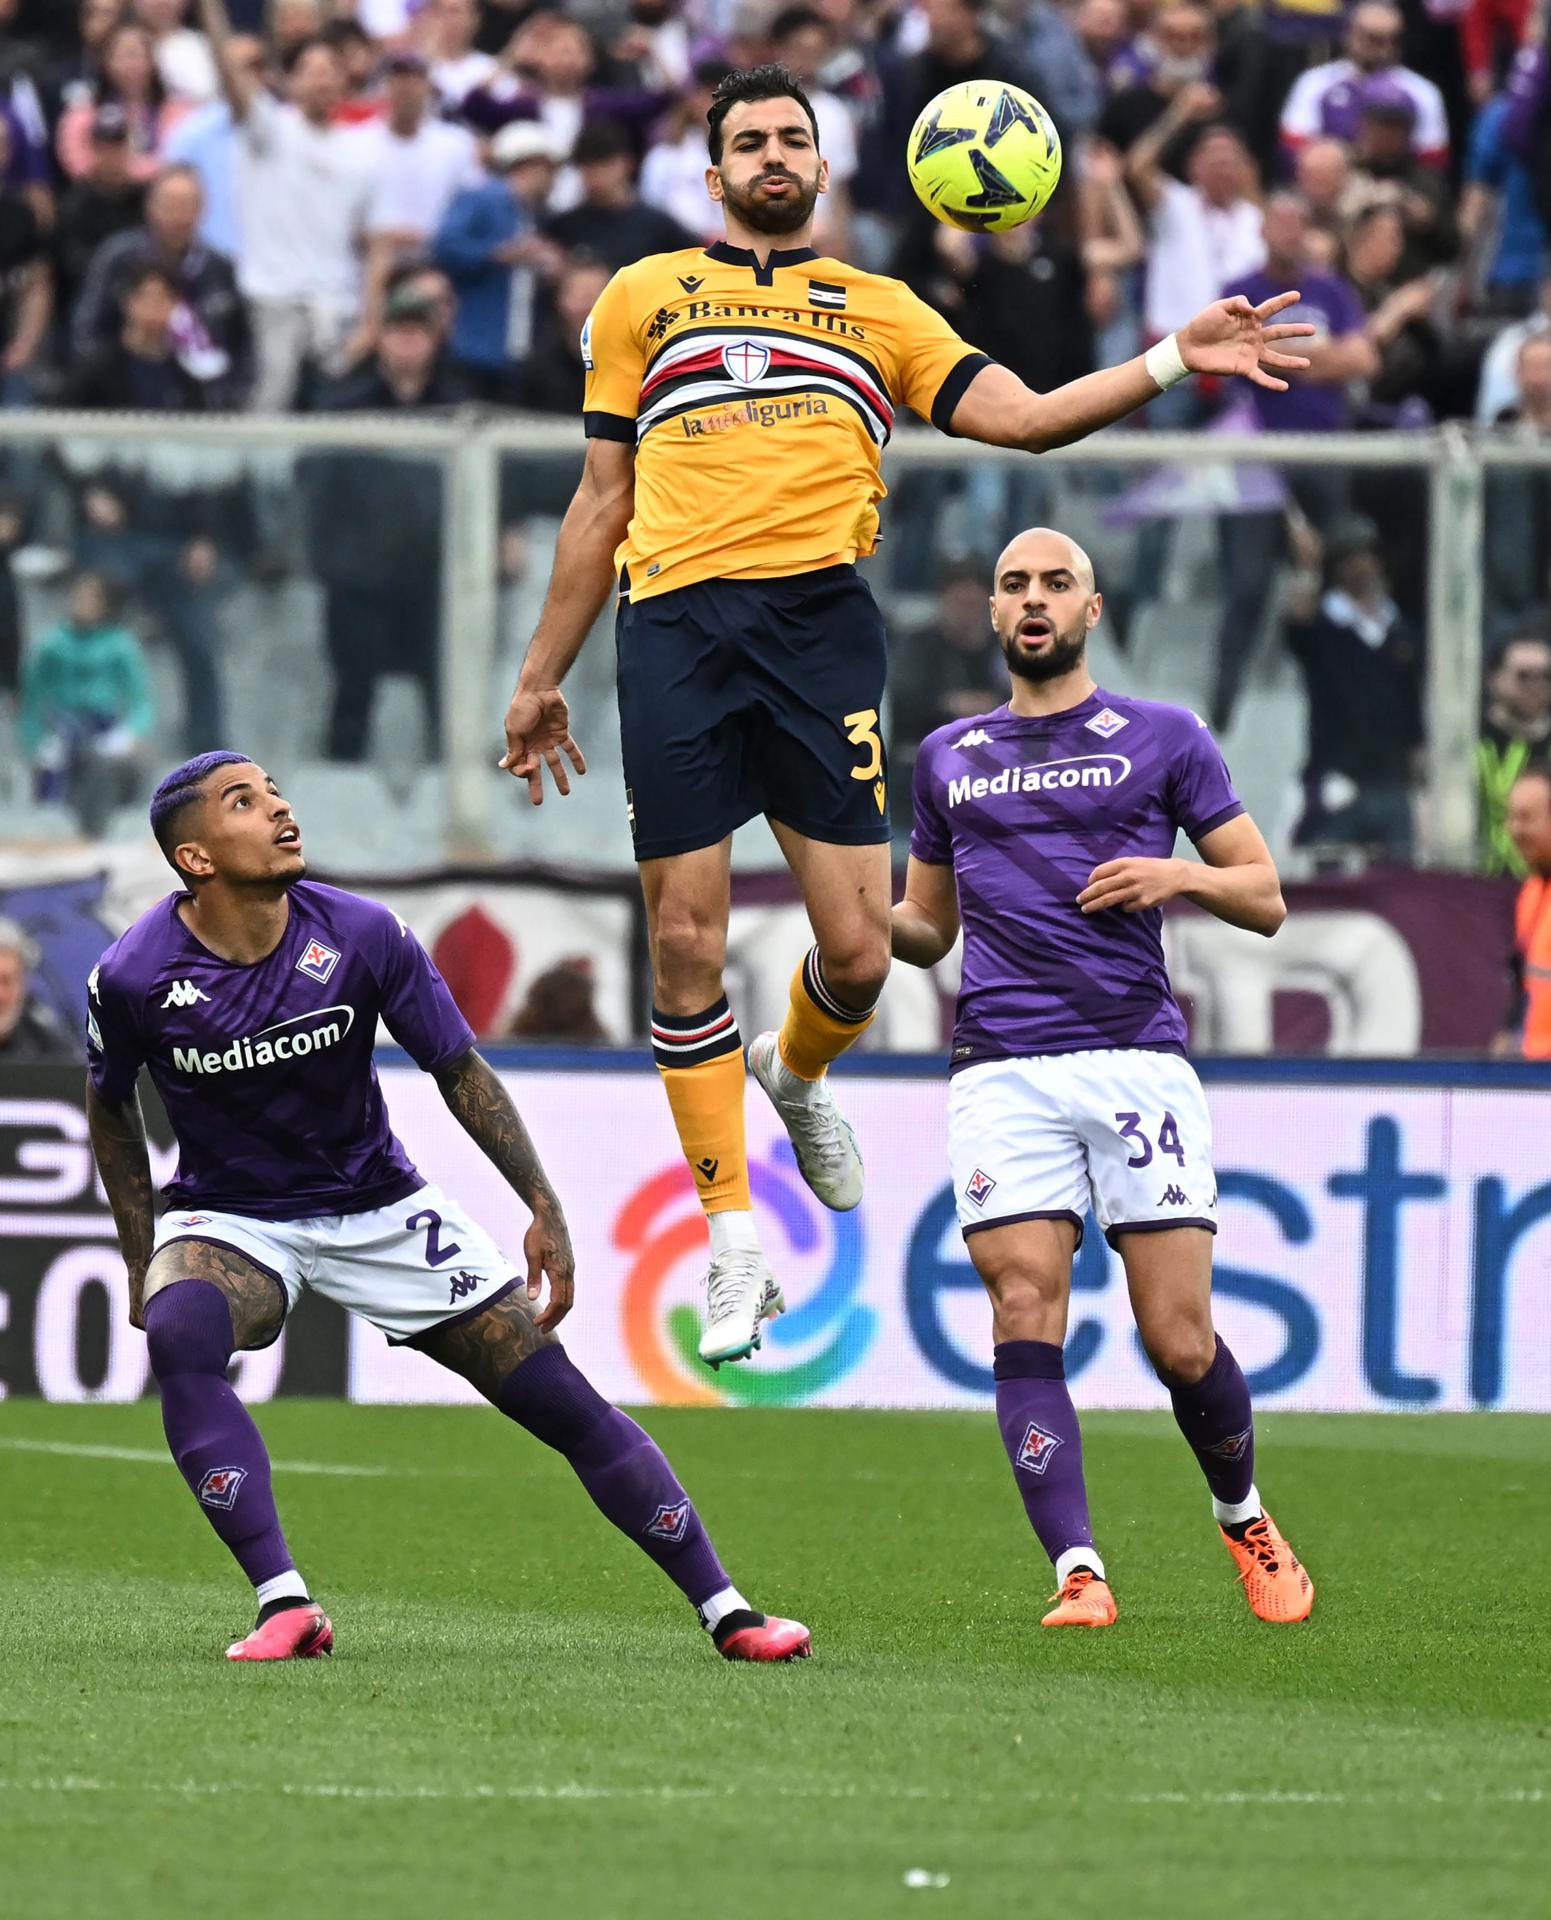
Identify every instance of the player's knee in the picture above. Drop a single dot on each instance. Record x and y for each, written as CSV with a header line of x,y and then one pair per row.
x,y
856,970
188,1329
1181,1353
1027,1303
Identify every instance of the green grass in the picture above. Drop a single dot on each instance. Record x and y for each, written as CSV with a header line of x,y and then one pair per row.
x,y
523,1718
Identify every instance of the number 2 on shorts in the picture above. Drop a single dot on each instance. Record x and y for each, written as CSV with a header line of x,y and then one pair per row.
x,y
862,731
1130,1126
435,1252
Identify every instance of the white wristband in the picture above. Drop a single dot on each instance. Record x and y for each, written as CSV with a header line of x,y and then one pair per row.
x,y
1165,363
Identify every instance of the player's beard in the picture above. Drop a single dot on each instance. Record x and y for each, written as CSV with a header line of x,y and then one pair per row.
x,y
1063,655
772,216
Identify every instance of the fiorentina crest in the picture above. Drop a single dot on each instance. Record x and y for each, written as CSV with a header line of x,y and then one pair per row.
x,y
1038,1449
670,1523
1234,1447
319,961
978,1187
219,1487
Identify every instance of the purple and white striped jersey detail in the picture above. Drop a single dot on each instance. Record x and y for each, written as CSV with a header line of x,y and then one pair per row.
x,y
1023,809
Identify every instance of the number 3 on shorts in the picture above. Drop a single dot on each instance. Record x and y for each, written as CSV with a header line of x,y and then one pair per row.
x,y
862,731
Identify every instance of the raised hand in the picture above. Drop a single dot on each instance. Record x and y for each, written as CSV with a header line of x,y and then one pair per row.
x,y
538,732
1232,337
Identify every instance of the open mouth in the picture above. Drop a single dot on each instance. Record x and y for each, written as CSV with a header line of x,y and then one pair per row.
x,y
1035,628
289,837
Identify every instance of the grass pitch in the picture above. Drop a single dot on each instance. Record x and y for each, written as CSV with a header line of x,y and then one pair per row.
x,y
522,1717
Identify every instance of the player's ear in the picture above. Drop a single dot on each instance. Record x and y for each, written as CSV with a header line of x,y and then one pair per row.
x,y
713,182
191,860
823,174
1095,608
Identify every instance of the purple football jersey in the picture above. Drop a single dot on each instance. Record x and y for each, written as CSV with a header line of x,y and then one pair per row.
x,y
266,1070
1023,809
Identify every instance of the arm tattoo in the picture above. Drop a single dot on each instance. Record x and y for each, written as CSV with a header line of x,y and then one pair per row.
x,y
484,1110
486,1349
124,1161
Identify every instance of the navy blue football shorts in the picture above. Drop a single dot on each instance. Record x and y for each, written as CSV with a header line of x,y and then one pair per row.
x,y
743,697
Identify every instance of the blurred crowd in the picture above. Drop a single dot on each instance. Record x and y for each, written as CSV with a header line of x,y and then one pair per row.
x,y
405,205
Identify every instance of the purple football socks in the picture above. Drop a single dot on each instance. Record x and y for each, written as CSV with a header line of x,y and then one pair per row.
x,y
1044,1443
1215,1416
620,1465
219,1452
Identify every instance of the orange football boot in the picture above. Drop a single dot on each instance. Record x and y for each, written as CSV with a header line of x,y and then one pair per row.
x,y
1084,1601
1276,1584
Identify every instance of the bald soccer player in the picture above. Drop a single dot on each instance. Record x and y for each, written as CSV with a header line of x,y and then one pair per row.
x,y
1046,829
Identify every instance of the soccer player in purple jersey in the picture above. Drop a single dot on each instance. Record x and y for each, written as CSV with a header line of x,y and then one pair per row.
x,y
252,997
1046,829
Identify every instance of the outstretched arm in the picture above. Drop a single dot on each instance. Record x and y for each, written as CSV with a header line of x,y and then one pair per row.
x,y
483,1108
538,723
238,84
1228,337
124,1162
1236,879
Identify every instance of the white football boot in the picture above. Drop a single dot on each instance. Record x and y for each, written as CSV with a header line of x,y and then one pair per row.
x,y
828,1157
740,1292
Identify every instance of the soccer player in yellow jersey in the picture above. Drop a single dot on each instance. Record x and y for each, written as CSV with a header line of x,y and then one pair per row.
x,y
738,400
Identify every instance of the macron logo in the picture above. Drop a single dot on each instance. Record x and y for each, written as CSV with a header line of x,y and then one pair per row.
x,y
276,1043
184,994
1084,770
976,737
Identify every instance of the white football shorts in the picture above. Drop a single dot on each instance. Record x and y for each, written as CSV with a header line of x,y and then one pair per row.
x,y
419,1264
1041,1137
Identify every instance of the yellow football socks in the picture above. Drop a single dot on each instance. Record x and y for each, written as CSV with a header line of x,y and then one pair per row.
x,y
817,1028
700,1057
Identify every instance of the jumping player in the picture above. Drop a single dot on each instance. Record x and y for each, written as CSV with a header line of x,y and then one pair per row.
x,y
1047,829
252,995
738,399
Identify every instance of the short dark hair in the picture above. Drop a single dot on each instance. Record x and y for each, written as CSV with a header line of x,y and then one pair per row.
x,y
769,82
1522,637
179,790
293,57
109,585
1536,769
144,273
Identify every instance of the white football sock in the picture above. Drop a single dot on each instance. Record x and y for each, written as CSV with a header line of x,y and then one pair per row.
x,y
717,1608
285,1586
733,1227
1231,1513
1077,1557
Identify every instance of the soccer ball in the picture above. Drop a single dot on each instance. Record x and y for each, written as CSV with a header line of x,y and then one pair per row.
x,y
984,156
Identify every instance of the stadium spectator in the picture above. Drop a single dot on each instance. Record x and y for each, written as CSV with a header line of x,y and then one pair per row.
x,y
551,378
673,173
26,289
549,71
1385,166
560,1006
374,531
1175,57
291,25
107,200
1361,663
1203,231
1498,393
29,1028
1339,354
1515,728
211,327
1526,1031
361,102
447,33
86,707
1490,34
946,669
1104,33
129,80
1053,48
1500,219
303,186
611,221
1329,99
657,44
207,141
1332,195
491,248
183,56
1518,499
75,70
802,41
1402,325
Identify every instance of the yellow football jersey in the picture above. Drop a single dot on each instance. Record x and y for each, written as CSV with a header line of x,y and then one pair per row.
x,y
759,401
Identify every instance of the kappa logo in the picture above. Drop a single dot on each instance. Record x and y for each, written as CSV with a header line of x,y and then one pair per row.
x,y
183,994
978,1187
691,283
1037,1448
1234,1447
318,962
976,737
463,1284
1174,1197
219,1487
822,294
1107,723
670,1523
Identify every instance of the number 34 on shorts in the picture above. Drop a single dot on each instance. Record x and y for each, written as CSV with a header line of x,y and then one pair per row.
x,y
1124,1131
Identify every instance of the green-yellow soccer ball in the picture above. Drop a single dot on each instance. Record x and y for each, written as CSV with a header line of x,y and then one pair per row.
x,y
984,156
